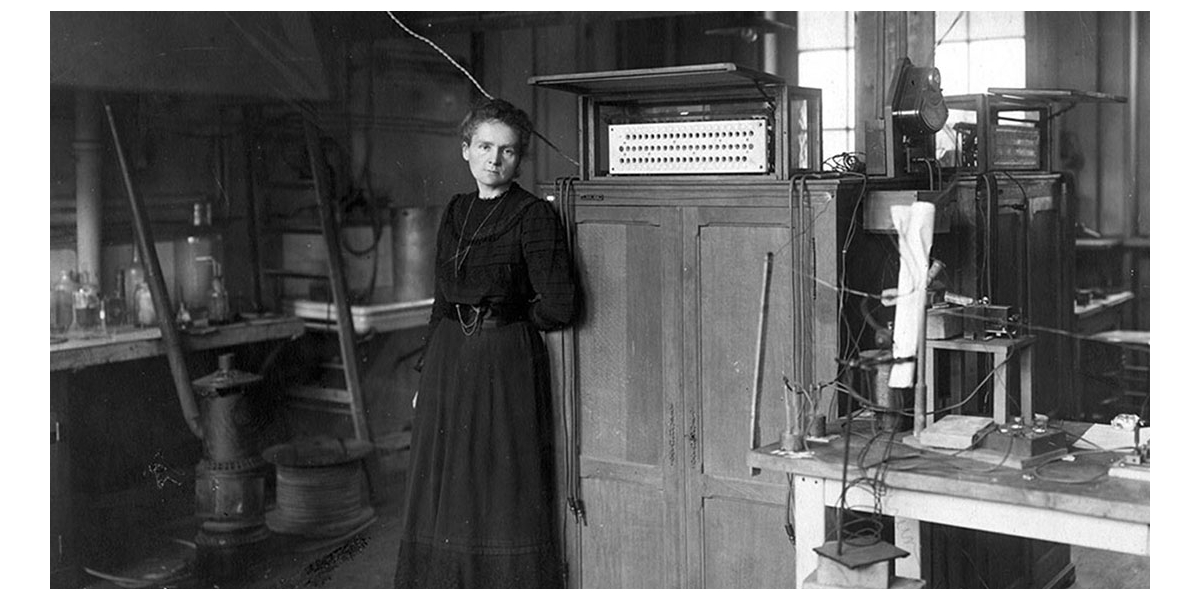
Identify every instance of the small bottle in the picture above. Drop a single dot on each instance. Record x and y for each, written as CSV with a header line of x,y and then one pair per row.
x,y
183,318
144,303
218,302
115,303
87,304
62,303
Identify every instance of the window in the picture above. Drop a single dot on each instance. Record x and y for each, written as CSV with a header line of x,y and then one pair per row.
x,y
826,60
977,50
974,50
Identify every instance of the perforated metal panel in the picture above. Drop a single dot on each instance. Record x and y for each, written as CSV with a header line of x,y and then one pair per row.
x,y
729,146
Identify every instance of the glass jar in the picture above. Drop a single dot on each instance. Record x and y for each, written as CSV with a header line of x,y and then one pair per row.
x,y
144,312
62,303
87,304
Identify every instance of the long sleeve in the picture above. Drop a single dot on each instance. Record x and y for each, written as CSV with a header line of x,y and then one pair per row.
x,y
550,270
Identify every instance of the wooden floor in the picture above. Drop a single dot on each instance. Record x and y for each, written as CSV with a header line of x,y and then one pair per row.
x,y
366,561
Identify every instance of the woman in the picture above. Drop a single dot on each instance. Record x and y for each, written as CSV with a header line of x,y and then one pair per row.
x,y
479,507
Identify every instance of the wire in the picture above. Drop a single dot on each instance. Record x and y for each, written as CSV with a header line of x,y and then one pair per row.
x,y
475,82
957,18
443,53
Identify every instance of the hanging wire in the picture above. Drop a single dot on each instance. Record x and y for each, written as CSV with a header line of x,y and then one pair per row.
x,y
957,18
475,82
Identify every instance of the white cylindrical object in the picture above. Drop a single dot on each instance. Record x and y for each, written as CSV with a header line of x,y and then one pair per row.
x,y
915,226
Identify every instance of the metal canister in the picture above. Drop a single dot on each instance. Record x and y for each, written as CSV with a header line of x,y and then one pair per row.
x,y
225,412
414,247
231,478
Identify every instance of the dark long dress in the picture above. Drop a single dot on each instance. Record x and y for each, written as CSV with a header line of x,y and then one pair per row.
x,y
479,507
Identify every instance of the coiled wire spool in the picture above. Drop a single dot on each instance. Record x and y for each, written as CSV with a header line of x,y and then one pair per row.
x,y
319,487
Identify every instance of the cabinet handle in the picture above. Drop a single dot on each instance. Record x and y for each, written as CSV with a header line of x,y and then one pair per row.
x,y
671,434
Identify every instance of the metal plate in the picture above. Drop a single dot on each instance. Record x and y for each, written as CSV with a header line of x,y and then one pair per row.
x,y
729,146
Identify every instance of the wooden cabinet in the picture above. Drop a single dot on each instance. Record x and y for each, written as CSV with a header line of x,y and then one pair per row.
x,y
1016,246
661,373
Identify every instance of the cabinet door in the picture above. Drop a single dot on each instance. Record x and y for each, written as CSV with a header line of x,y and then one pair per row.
x,y
627,394
735,518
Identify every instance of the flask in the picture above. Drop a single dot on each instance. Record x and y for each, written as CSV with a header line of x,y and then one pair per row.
x,y
193,271
135,274
62,302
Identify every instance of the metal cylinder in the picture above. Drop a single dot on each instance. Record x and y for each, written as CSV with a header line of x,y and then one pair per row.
x,y
88,183
231,504
414,247
231,479
225,412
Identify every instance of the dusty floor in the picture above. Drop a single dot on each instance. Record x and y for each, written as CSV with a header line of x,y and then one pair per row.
x,y
365,560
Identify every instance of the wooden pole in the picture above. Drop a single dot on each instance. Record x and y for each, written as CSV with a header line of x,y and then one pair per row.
x,y
759,351
158,291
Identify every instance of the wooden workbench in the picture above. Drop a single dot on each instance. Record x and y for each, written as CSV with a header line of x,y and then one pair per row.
x,y
1108,513
131,343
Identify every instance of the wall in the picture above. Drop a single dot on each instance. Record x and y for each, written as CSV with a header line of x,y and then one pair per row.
x,y
1105,148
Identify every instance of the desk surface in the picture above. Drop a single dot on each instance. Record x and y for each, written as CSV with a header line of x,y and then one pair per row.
x,y
1108,497
129,343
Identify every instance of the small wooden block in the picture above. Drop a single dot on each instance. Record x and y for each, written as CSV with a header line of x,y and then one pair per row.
x,y
897,583
943,323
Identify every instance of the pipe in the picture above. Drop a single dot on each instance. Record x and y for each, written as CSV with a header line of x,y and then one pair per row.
x,y
770,47
158,290
88,183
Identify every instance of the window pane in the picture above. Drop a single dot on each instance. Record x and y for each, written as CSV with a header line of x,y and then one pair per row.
x,y
997,63
827,69
949,20
834,142
821,29
988,24
951,61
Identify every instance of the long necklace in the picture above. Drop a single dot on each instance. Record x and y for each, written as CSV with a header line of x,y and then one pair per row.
x,y
460,255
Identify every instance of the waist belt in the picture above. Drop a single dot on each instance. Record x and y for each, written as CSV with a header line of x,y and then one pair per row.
x,y
472,316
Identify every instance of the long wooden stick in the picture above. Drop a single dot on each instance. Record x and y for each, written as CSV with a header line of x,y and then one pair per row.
x,y
158,291
759,351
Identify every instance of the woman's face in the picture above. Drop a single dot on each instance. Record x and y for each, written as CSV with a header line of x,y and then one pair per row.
x,y
494,156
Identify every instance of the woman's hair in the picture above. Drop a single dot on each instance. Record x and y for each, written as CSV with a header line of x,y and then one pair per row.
x,y
504,112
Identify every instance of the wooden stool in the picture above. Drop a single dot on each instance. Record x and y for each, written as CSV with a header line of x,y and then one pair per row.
x,y
1002,351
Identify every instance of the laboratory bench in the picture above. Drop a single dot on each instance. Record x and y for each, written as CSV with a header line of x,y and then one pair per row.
x,y
120,450
1055,504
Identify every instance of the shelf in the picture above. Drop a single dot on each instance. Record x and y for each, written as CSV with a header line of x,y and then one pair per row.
x,y
130,343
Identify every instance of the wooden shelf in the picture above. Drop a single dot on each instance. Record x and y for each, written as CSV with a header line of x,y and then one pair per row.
x,y
129,343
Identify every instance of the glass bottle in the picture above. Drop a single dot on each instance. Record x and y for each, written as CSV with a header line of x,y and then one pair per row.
x,y
115,302
87,304
62,303
195,257
144,303
135,274
218,302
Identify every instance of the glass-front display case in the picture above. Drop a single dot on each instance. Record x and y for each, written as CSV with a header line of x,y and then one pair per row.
x,y
693,121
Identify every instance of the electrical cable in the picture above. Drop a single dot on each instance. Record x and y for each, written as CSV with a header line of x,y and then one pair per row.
x,y
474,81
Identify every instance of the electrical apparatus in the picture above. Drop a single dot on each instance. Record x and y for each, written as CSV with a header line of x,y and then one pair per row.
x,y
913,115
693,120
1008,129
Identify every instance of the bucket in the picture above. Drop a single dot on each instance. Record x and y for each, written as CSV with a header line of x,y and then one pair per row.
x,y
414,248
875,384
